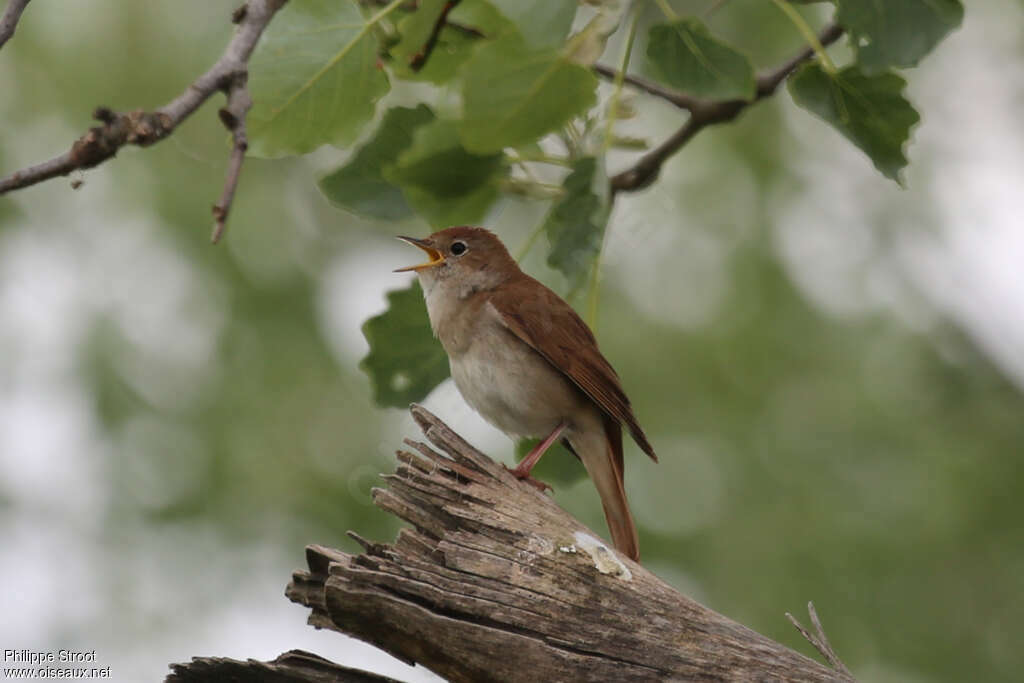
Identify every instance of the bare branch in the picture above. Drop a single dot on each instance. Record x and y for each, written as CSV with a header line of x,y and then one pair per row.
x,y
820,641
233,117
9,21
676,97
141,128
768,82
420,58
705,113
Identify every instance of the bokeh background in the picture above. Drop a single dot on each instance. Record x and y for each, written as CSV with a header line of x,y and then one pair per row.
x,y
830,366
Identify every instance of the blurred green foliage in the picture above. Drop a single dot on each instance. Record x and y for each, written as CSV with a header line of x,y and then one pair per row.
x,y
315,79
869,110
359,186
576,223
403,373
855,461
881,30
691,59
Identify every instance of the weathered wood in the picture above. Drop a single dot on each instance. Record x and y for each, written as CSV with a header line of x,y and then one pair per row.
x,y
295,666
495,582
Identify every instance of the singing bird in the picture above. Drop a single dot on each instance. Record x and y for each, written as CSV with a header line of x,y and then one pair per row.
x,y
523,359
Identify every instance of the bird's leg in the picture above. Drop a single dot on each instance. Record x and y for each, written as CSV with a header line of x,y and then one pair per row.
x,y
522,470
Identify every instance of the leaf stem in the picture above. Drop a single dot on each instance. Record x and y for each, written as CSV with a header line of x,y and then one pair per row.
x,y
808,34
667,10
571,138
521,164
594,286
714,7
528,244
594,294
384,12
519,157
595,289
532,188
620,76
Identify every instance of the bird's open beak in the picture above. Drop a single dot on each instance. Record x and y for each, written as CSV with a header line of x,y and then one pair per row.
x,y
436,258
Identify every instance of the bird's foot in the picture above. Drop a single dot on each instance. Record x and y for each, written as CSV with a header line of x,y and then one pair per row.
x,y
525,477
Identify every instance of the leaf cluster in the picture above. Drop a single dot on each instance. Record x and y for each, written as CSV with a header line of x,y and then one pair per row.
x,y
503,89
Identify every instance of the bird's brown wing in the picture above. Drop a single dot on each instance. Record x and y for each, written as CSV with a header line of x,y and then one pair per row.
x,y
551,327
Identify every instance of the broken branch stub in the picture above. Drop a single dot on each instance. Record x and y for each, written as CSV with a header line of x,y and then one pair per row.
x,y
495,582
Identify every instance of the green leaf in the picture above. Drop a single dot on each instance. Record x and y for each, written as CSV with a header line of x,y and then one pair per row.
x,y
314,78
405,361
483,17
416,28
468,24
466,209
445,183
575,225
513,95
542,23
452,48
870,110
687,57
359,186
897,32
438,163
586,45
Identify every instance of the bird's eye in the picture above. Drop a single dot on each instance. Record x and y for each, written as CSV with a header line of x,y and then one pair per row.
x,y
458,248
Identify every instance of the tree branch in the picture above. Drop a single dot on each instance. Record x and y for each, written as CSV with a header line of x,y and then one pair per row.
x,y
676,97
9,21
294,666
495,582
819,640
420,58
704,113
233,118
228,75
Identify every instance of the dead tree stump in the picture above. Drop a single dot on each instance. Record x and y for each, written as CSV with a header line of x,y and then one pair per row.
x,y
494,582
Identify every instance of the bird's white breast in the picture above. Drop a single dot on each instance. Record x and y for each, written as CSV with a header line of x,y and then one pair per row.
x,y
500,376
509,383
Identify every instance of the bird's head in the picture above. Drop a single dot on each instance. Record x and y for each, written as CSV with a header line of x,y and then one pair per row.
x,y
472,259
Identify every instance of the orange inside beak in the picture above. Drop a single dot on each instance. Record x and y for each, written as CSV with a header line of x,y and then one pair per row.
x,y
436,258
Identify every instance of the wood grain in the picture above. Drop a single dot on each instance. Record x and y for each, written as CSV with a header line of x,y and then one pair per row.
x,y
495,582
294,666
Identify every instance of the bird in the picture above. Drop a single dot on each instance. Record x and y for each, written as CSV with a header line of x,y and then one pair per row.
x,y
528,364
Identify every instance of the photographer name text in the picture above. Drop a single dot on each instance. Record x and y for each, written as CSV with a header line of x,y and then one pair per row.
x,y
64,664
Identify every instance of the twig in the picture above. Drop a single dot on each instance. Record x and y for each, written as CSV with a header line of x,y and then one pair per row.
x,y
805,30
680,99
767,83
820,641
413,5
468,31
141,128
705,113
420,58
233,118
9,21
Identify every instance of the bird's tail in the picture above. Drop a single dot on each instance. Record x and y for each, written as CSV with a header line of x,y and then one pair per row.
x,y
601,454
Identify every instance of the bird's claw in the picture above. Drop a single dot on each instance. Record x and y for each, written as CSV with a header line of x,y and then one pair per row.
x,y
525,477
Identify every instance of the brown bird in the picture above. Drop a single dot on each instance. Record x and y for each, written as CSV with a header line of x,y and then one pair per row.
x,y
523,359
